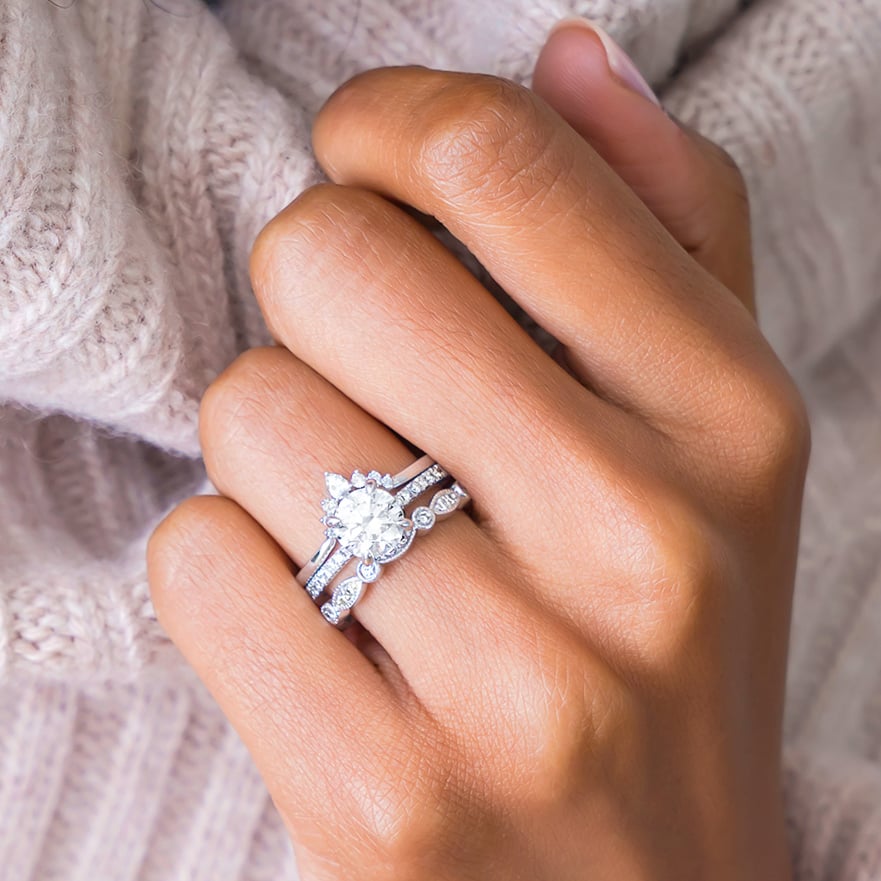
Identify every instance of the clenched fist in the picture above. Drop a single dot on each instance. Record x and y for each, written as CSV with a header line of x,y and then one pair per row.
x,y
580,676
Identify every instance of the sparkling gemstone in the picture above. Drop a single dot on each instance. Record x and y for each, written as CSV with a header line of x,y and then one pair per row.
x,y
347,592
371,523
336,484
331,612
369,571
423,517
445,502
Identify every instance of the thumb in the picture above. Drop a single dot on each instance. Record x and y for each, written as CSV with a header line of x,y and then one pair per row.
x,y
691,185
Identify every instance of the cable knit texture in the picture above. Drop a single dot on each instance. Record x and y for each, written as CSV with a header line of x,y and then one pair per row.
x,y
142,147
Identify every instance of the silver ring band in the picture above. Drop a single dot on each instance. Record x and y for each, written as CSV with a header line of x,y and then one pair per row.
x,y
365,521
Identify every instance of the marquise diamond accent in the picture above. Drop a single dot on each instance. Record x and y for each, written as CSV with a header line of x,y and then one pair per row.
x,y
445,502
345,595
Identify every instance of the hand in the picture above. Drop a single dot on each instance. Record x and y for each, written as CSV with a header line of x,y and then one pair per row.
x,y
584,677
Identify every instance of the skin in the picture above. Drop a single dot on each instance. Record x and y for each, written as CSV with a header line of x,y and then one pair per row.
x,y
583,677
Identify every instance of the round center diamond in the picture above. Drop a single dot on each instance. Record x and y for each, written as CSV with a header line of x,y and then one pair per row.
x,y
371,521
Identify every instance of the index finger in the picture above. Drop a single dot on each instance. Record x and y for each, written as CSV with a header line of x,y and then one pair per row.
x,y
643,323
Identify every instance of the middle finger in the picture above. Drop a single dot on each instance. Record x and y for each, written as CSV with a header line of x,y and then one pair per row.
x,y
372,301
642,322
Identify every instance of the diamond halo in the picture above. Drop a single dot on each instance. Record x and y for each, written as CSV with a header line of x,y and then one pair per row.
x,y
366,522
364,516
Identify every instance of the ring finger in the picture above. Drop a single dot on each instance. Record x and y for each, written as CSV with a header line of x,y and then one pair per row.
x,y
270,428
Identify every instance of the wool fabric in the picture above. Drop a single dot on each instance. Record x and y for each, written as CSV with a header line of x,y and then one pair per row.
x,y
143,145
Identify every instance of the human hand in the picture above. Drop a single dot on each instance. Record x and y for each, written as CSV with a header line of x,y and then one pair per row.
x,y
584,678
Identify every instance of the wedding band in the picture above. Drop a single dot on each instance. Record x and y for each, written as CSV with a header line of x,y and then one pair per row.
x,y
366,522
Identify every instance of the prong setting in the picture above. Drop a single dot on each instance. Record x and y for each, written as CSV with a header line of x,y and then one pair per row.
x,y
365,520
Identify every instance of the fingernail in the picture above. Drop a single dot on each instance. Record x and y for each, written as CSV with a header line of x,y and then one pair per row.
x,y
620,63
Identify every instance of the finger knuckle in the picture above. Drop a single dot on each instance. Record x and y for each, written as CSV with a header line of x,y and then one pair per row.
x,y
779,441
682,564
336,217
761,430
484,136
291,236
236,408
267,247
413,827
176,548
278,239
567,696
736,178
314,238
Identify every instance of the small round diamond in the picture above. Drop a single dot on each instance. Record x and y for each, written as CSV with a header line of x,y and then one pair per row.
x,y
423,518
371,521
369,571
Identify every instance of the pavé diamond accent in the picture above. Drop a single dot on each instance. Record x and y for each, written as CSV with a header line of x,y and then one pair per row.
x,y
323,576
420,483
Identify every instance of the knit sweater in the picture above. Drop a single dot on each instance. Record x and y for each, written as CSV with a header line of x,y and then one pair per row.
x,y
143,144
